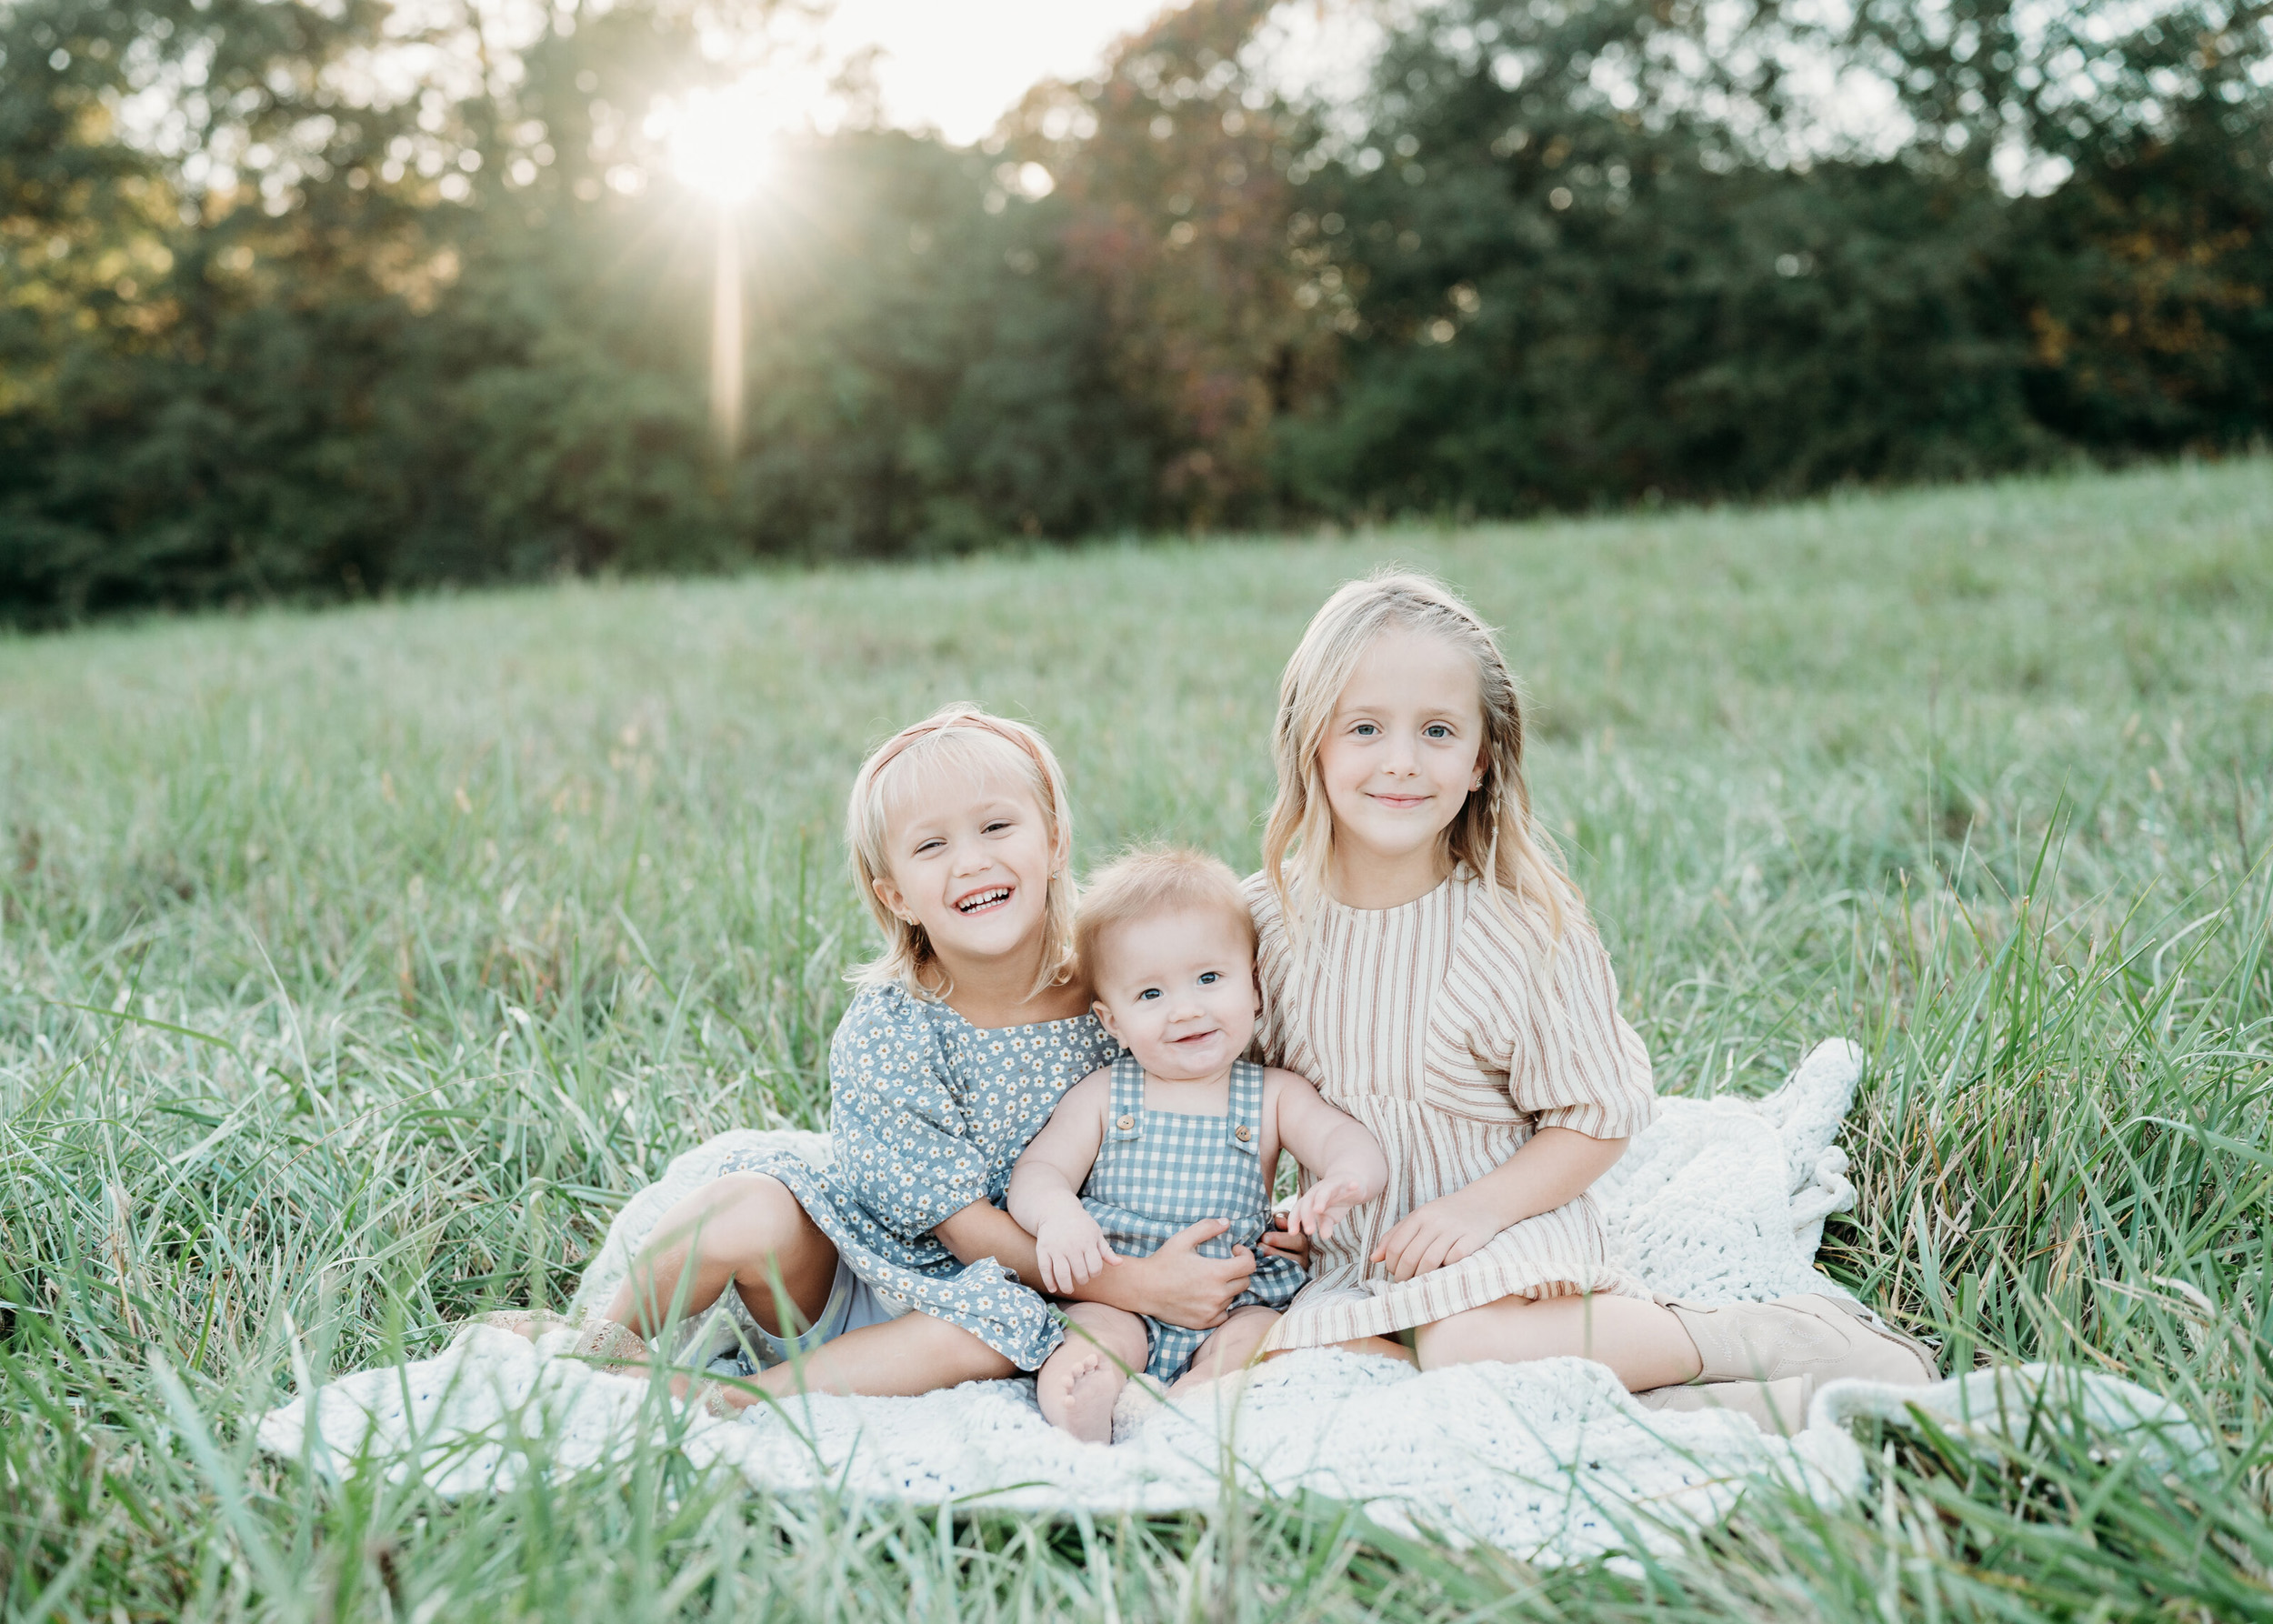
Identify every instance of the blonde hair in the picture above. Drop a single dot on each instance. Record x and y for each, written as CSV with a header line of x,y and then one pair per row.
x,y
1147,882
967,739
1493,835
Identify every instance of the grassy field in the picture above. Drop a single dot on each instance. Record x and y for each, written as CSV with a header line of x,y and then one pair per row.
x,y
353,966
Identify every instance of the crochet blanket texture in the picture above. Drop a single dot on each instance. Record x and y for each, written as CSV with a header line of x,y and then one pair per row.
x,y
1720,1199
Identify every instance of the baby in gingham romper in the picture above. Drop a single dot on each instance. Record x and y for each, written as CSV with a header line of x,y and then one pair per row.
x,y
1178,1131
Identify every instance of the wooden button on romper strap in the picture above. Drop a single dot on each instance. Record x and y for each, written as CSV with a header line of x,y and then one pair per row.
x,y
1125,1123
1243,1133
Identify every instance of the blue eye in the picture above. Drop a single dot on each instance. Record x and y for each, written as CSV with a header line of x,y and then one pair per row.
x,y
1437,730
1150,992
1365,730
1209,978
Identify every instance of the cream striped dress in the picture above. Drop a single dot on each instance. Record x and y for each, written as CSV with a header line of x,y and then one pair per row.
x,y
1436,1026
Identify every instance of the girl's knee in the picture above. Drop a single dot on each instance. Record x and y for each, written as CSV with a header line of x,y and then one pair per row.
x,y
956,1353
748,1194
749,1214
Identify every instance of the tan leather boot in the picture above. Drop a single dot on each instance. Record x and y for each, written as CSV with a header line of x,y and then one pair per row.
x,y
1777,1408
1826,1338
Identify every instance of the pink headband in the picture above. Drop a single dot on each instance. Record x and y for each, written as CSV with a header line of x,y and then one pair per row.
x,y
891,748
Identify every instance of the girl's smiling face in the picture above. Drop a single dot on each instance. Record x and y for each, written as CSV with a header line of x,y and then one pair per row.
x,y
1404,749
971,858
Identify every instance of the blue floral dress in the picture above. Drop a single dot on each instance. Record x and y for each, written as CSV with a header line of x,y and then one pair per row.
x,y
928,1114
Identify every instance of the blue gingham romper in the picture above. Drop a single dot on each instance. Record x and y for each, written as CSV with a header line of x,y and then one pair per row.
x,y
1159,1172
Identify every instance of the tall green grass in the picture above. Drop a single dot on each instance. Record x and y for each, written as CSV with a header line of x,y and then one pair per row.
x,y
354,967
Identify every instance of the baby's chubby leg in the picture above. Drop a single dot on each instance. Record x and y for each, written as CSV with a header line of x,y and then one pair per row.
x,y
1231,1347
1079,1382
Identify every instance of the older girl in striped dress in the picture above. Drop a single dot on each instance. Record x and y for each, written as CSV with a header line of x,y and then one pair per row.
x,y
1427,965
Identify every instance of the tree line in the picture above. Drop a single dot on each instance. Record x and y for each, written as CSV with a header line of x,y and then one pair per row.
x,y
299,303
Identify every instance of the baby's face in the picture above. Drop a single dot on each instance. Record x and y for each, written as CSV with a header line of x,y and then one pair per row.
x,y
1178,989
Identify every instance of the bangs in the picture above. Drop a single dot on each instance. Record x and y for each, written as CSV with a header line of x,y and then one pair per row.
x,y
980,759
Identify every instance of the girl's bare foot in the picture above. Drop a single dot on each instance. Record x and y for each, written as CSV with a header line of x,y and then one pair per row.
x,y
531,1323
609,1346
599,1340
1078,1386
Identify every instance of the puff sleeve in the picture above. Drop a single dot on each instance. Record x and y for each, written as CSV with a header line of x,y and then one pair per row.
x,y
1572,1060
903,1146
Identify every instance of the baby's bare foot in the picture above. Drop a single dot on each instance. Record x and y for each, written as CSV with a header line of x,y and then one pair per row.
x,y
1078,1386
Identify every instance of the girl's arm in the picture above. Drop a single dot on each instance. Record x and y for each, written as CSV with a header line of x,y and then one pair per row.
x,y
1346,1163
1556,1166
1586,1089
1176,1284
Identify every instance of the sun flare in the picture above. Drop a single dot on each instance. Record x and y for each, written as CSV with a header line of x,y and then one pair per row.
x,y
721,140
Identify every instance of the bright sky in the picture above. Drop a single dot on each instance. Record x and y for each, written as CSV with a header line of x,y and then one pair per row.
x,y
957,64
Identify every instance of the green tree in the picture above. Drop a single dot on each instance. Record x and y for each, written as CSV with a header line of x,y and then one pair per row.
x,y
274,325
1171,168
1599,249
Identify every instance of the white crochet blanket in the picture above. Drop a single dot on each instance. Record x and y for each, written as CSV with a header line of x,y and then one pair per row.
x,y
1553,1461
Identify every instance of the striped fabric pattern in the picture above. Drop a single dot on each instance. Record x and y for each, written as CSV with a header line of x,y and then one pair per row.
x,y
1453,1028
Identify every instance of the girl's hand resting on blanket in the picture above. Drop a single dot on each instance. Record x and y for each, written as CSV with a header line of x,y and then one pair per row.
x,y
1442,1232
1069,1248
1316,1208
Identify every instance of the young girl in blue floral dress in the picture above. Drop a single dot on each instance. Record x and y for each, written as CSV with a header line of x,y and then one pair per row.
x,y
896,1268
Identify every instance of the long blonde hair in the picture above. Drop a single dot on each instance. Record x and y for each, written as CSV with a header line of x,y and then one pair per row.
x,y
1493,835
957,739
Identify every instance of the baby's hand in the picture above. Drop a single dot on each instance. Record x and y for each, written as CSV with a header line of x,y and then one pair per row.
x,y
1317,1208
1280,1241
1071,1249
